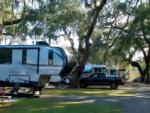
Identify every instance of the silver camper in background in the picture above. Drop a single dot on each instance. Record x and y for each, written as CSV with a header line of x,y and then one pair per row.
x,y
31,65
93,68
113,72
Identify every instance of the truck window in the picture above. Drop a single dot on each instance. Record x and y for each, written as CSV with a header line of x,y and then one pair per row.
x,y
50,57
24,56
5,56
113,72
101,75
94,75
97,70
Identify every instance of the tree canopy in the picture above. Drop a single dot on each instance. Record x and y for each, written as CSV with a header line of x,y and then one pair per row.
x,y
108,31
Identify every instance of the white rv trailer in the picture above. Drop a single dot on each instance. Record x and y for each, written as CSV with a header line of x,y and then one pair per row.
x,y
31,65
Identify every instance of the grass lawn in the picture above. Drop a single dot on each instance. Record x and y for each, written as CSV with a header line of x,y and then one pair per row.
x,y
87,92
59,106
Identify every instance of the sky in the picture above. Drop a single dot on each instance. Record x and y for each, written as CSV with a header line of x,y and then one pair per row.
x,y
122,1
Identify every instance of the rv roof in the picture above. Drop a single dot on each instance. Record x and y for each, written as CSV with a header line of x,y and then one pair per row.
x,y
23,46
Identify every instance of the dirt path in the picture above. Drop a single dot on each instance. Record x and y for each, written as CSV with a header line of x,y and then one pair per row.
x,y
140,103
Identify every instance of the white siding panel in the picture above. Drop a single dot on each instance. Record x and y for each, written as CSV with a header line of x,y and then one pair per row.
x,y
44,56
17,56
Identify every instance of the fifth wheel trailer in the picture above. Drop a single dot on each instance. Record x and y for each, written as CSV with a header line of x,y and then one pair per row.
x,y
31,65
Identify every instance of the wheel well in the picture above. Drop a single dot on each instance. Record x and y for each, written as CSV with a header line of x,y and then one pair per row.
x,y
113,83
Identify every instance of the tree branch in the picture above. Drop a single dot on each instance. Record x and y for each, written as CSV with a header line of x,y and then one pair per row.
x,y
16,21
94,20
87,4
144,34
142,49
123,28
12,22
91,27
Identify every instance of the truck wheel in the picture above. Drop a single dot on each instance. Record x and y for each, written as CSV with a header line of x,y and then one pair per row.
x,y
113,86
83,85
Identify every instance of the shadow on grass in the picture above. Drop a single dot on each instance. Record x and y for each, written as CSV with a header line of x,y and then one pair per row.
x,y
60,106
87,92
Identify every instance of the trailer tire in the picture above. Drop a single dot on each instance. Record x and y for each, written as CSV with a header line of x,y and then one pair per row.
x,y
35,92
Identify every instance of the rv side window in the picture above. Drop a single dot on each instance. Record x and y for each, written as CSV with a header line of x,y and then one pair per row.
x,y
50,57
24,56
58,60
5,56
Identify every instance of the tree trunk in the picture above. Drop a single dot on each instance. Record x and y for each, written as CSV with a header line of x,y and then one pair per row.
x,y
147,74
75,76
142,72
85,52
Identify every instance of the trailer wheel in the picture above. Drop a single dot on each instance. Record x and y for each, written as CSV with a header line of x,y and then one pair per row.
x,y
35,92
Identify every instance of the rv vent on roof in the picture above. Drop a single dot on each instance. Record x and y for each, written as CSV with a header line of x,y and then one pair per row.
x,y
42,43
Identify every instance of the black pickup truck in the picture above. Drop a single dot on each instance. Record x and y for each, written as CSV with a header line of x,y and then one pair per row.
x,y
100,79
